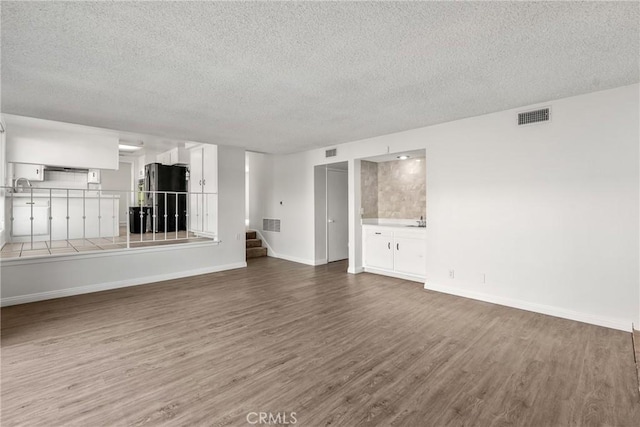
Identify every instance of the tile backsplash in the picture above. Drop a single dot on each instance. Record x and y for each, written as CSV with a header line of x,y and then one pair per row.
x,y
395,189
63,179
369,189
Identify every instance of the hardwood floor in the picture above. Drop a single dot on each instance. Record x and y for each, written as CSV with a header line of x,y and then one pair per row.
x,y
336,349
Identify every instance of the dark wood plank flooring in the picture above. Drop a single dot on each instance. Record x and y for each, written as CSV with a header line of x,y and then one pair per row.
x,y
336,349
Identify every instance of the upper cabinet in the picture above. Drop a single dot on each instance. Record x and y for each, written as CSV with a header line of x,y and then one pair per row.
x,y
175,156
203,167
36,141
203,185
93,176
28,171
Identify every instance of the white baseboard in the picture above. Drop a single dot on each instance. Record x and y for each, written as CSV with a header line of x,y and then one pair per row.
x,y
394,274
355,270
23,299
294,259
607,322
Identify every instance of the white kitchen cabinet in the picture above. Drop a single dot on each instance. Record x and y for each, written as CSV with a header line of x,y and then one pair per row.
x,y
26,208
164,158
203,186
395,251
94,176
92,218
28,171
140,162
379,251
52,143
175,156
409,255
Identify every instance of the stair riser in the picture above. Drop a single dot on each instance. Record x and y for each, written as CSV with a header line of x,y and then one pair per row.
x,y
256,252
254,243
251,235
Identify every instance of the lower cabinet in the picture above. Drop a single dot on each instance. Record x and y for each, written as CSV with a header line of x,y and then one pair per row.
x,y
378,250
88,219
396,252
23,210
409,255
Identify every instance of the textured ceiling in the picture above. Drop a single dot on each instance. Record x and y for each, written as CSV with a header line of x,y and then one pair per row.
x,y
286,77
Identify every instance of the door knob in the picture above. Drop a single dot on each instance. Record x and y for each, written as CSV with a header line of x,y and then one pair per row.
x,y
331,220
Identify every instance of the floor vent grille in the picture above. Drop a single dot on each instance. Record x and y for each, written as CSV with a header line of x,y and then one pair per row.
x,y
269,224
535,116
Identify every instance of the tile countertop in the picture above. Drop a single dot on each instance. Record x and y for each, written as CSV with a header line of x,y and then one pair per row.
x,y
400,226
390,221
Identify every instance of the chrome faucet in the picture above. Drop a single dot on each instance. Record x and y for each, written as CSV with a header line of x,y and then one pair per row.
x,y
422,222
15,185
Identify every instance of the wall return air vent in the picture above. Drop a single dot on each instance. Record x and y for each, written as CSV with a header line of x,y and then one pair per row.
x,y
269,224
534,116
331,153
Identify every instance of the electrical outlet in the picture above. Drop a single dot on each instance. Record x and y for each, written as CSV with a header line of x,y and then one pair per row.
x,y
451,274
239,236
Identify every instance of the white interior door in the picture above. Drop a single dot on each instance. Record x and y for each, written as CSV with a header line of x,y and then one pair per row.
x,y
337,215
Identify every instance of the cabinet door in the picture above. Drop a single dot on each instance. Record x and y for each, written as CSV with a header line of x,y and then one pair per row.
x,y
210,168
379,250
94,176
210,214
163,158
109,220
91,221
210,188
23,209
75,218
196,199
59,221
30,172
409,255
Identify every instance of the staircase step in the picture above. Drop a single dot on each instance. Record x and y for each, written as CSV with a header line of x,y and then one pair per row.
x,y
251,235
256,252
254,243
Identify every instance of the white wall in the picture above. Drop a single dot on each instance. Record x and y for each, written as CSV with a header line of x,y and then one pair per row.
x,y
282,187
3,179
260,187
320,213
120,182
231,228
549,212
25,280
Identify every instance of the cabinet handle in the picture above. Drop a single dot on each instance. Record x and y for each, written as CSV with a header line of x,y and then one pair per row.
x,y
389,245
397,246
200,182
204,182
378,233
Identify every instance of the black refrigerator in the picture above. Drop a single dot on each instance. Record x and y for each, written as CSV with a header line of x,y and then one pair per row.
x,y
159,178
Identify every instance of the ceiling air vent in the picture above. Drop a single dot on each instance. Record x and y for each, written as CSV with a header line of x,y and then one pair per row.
x,y
535,116
269,224
331,153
